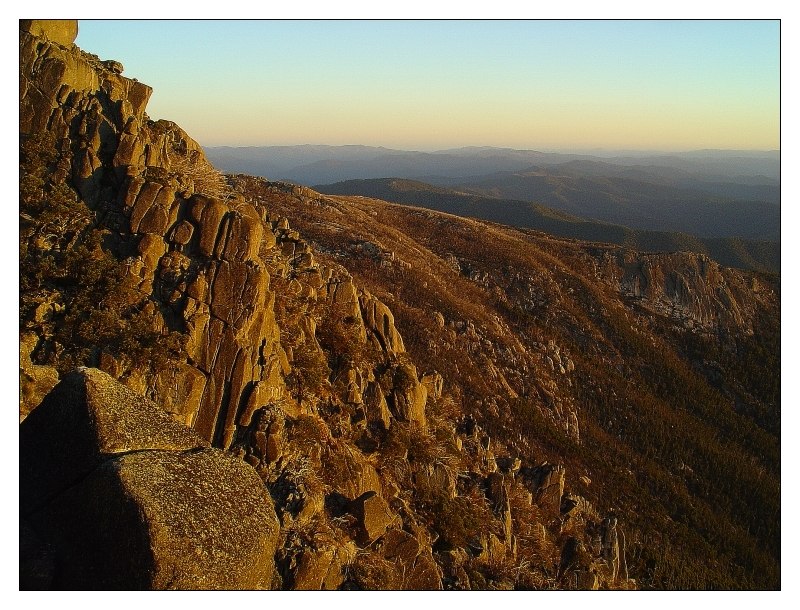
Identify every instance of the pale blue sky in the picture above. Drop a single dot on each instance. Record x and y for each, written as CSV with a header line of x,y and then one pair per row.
x,y
672,85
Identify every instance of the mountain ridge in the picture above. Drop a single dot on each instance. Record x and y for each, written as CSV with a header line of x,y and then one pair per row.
x,y
747,254
711,197
728,163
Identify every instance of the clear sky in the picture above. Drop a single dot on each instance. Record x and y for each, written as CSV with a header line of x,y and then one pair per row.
x,y
426,85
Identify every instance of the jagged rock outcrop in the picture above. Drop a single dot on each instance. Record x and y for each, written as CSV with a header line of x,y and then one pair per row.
x,y
196,255
610,546
61,31
379,320
376,408
202,257
129,499
686,286
409,395
546,483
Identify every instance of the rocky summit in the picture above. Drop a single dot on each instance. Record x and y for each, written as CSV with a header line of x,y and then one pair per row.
x,y
228,382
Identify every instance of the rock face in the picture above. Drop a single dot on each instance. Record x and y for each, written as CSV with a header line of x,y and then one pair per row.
x,y
195,256
129,499
373,515
61,31
409,396
610,546
546,482
204,259
688,287
85,419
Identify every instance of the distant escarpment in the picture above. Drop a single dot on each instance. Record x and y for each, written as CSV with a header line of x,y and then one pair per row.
x,y
228,382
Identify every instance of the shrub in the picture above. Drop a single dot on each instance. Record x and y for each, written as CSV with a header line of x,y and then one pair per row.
x,y
339,334
309,372
460,520
370,572
308,432
206,178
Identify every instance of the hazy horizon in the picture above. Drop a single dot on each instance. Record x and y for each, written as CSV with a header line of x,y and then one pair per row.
x,y
600,151
560,86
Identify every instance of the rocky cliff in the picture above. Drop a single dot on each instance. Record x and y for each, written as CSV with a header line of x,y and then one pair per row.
x,y
687,287
467,451
200,258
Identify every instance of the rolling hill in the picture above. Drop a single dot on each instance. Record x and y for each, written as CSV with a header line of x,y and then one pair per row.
x,y
734,252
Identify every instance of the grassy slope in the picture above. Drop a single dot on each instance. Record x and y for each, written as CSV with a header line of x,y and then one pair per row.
x,y
689,460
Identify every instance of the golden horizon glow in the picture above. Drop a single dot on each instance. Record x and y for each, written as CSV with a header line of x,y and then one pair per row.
x,y
666,85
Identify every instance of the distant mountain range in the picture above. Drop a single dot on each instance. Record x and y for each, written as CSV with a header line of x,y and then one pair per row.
x,y
730,251
710,194
745,186
316,164
663,199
